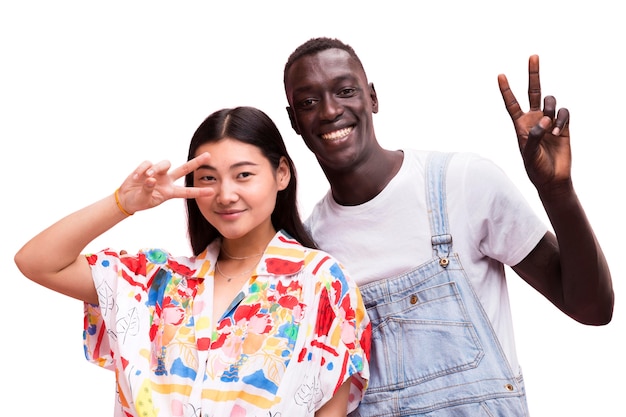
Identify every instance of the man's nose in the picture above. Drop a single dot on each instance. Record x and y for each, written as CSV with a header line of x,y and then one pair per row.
x,y
331,108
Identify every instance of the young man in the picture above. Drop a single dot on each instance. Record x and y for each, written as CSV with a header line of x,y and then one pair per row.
x,y
427,235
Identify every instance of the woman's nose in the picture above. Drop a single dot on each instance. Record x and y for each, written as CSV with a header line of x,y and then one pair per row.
x,y
227,193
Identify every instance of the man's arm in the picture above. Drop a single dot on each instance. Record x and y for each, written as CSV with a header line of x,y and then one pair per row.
x,y
567,267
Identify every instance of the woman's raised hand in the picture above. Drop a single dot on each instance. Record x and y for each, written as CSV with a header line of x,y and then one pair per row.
x,y
150,184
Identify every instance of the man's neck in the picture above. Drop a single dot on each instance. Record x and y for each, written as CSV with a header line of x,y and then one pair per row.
x,y
366,181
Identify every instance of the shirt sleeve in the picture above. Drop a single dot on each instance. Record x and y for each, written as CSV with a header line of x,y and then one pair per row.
x,y
95,335
112,274
506,226
343,334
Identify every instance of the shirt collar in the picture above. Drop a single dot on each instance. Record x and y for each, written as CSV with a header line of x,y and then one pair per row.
x,y
283,256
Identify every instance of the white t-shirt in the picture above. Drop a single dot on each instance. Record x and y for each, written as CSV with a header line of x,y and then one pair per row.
x,y
491,223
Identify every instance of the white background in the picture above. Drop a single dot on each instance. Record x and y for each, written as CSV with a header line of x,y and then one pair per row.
x,y
90,89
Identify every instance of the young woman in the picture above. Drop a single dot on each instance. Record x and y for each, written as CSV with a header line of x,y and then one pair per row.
x,y
256,323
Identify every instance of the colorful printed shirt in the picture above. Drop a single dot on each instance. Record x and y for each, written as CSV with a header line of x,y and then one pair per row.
x,y
296,331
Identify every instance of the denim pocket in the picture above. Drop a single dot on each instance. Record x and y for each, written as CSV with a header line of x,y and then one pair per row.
x,y
419,335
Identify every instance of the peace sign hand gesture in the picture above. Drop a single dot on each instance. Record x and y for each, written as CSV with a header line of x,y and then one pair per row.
x,y
543,140
151,184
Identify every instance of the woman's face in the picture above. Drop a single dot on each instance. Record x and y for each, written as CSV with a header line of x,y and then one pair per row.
x,y
245,185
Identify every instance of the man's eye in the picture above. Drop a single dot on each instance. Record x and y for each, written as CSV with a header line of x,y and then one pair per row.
x,y
347,92
307,103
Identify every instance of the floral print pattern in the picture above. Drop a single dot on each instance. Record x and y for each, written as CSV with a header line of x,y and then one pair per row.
x,y
295,332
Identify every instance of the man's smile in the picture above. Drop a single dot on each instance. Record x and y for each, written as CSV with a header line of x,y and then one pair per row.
x,y
337,134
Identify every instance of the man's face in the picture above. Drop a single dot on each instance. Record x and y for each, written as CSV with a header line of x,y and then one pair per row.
x,y
331,107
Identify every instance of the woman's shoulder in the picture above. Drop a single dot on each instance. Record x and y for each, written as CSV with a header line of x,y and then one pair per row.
x,y
143,260
312,259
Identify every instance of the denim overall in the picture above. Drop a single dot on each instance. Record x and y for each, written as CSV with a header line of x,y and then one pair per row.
x,y
434,352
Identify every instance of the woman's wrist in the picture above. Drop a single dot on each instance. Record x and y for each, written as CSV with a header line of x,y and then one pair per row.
x,y
119,204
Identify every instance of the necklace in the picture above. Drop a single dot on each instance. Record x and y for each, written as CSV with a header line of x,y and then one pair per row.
x,y
229,256
230,277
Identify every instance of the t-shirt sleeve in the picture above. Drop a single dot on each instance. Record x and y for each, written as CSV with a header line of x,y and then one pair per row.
x,y
506,225
343,334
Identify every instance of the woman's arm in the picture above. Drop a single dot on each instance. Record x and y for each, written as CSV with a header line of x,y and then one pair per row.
x,y
53,257
337,406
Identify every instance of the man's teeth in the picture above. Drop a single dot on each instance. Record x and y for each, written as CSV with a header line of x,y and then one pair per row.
x,y
337,134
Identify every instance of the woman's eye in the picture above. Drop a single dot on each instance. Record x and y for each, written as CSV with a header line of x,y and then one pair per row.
x,y
244,175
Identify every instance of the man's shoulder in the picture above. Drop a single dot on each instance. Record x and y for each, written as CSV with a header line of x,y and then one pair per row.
x,y
422,156
419,159
458,160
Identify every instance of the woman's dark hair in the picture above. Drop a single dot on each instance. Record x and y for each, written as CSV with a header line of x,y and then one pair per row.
x,y
252,126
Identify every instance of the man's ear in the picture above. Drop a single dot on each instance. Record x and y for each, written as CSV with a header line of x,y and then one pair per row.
x,y
292,119
374,98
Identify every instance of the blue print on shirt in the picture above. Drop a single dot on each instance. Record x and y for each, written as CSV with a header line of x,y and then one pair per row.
x,y
259,380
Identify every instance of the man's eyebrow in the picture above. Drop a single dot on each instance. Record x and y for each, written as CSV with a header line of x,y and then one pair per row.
x,y
302,89
343,78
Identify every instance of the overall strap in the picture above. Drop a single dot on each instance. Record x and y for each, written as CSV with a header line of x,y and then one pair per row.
x,y
441,239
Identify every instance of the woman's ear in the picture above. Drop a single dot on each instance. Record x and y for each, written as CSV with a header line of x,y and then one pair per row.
x,y
283,174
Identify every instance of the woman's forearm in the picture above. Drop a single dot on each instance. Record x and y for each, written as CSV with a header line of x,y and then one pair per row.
x,y
53,257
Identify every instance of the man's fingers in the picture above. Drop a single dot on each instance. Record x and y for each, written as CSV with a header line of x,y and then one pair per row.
x,y
534,84
510,102
549,107
562,120
534,137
